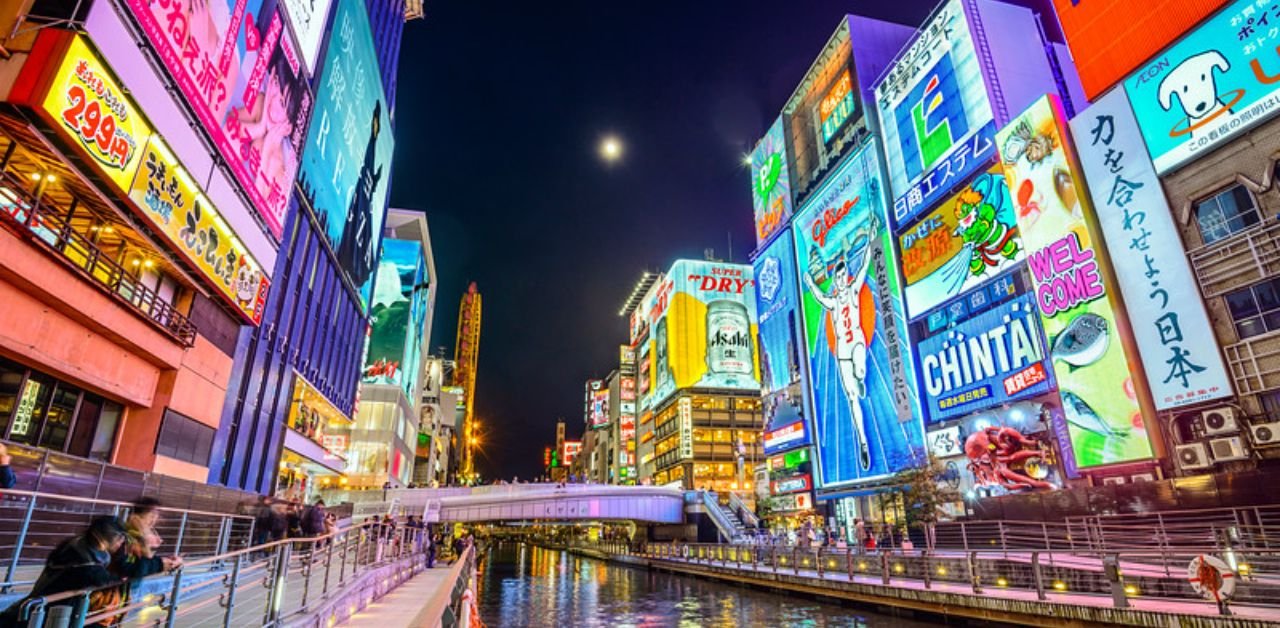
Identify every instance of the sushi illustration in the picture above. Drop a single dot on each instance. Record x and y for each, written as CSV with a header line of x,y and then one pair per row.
x,y
1079,414
1083,342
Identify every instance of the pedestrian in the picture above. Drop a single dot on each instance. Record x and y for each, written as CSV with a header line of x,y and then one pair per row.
x,y
8,479
79,563
278,521
459,546
313,519
262,521
138,557
294,519
860,535
431,551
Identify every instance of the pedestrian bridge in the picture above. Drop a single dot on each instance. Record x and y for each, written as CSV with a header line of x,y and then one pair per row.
x,y
526,502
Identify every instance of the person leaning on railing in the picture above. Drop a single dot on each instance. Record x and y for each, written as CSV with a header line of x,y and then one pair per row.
x,y
138,559
80,563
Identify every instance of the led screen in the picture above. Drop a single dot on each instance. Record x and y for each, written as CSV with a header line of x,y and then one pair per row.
x,y
397,316
347,160
862,384
969,239
770,183
777,302
934,113
1086,343
237,68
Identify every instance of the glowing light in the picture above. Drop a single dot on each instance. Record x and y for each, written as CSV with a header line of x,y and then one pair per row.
x,y
1002,582
36,176
611,148
1244,568
898,567
1060,585
746,160
1130,589
942,571
862,566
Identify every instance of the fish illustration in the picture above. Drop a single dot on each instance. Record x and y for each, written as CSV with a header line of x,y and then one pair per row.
x,y
1083,342
1082,416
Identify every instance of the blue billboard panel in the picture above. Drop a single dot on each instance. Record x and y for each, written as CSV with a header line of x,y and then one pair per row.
x,y
935,115
1210,86
780,363
990,358
398,316
862,389
346,163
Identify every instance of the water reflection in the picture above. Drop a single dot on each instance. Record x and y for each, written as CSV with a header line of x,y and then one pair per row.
x,y
522,585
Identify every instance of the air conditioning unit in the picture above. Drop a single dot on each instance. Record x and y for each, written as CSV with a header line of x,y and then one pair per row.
x,y
1143,477
1265,433
1193,456
1219,421
1117,479
1230,448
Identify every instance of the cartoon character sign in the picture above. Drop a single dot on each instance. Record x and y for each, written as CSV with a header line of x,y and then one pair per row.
x,y
971,238
861,382
1214,83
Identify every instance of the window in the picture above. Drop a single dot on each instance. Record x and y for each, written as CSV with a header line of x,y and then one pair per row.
x,y
1256,309
1227,212
184,438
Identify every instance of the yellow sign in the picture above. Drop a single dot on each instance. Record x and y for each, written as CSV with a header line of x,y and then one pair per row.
x,y
173,203
86,101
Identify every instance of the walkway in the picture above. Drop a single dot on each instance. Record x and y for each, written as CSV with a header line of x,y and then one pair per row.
x,y
525,502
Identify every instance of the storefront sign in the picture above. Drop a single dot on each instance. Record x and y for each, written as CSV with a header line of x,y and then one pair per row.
x,y
969,239
1109,38
1214,83
785,436
934,112
1085,335
686,428
771,182
237,68
991,358
791,485
86,102
945,443
1180,357
308,18
789,460
626,356
176,206
793,502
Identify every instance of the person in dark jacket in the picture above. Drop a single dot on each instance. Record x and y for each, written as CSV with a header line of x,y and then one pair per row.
x,y
137,559
7,478
79,563
313,519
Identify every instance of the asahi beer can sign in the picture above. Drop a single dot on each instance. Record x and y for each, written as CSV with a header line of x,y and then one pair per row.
x,y
729,354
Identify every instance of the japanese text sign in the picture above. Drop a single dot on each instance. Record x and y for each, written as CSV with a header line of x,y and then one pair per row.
x,y
308,19
777,301
935,115
1181,359
1086,337
237,69
1217,81
771,183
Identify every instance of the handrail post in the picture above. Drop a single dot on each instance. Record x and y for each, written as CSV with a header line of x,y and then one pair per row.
x,y
795,560
924,565
182,529
21,541
848,561
307,562
964,536
233,584
884,567
328,563
174,592
224,536
974,576
342,563
1037,574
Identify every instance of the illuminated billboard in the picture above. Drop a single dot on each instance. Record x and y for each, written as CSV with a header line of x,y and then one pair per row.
x,y
770,183
597,402
238,70
935,115
397,316
1109,39
969,239
777,301
1086,337
703,321
992,357
308,19
861,381
82,98
1214,83
347,160
1180,356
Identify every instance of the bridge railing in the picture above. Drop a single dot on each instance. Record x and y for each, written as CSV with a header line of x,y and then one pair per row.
x,y
281,583
1123,575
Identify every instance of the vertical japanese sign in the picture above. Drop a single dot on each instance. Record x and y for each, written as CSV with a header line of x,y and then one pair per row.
x,y
935,115
780,363
308,19
238,70
686,428
770,183
862,387
1086,343
1214,83
1174,336
347,159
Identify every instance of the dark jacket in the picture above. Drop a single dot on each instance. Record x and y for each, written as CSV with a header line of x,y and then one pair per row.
x,y
134,560
313,521
73,565
7,478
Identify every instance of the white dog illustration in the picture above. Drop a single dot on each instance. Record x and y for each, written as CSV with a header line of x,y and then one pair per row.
x,y
1194,83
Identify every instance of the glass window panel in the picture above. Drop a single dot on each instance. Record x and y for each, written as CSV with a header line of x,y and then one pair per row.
x,y
57,423
29,414
1250,327
1271,320
1267,296
105,435
85,425
1242,304
10,381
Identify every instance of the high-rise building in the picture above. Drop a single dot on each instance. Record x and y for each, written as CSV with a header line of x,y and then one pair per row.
x,y
466,357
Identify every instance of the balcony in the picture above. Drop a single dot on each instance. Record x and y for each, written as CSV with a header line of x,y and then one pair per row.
x,y
1255,363
1244,258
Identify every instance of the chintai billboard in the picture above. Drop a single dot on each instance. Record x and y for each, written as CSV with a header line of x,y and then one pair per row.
x,y
862,387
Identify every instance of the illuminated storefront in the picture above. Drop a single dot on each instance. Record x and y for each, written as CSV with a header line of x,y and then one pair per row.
x,y
708,441
315,445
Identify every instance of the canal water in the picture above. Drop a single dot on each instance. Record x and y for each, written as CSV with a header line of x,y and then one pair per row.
x,y
522,585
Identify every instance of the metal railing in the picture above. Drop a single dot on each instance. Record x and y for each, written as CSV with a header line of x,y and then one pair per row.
x,y
748,516
271,585
32,524
1051,575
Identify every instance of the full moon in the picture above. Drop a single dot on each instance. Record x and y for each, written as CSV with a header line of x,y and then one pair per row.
x,y
611,149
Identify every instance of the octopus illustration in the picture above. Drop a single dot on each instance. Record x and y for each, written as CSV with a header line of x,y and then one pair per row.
x,y
993,452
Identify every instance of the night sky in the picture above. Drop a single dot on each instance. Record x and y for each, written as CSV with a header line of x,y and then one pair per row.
x,y
500,111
